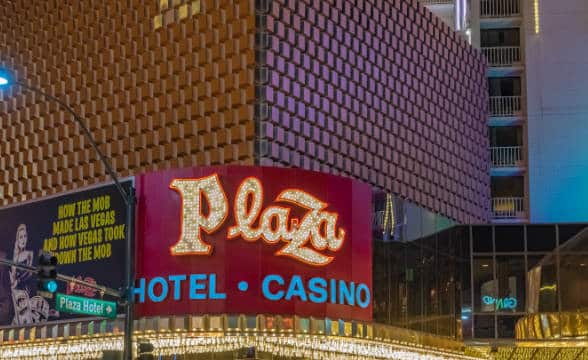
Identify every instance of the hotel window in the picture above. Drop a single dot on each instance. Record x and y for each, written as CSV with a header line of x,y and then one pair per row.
x,y
504,86
510,278
500,37
484,284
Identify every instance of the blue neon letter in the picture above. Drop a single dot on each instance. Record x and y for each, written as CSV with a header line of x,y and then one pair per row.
x,y
296,288
177,280
488,300
164,289
212,294
265,287
346,294
333,290
140,290
318,292
363,303
195,286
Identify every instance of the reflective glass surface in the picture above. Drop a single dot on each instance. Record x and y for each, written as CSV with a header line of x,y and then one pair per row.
x,y
437,284
541,284
541,238
482,239
506,326
509,238
510,277
484,284
484,326
574,282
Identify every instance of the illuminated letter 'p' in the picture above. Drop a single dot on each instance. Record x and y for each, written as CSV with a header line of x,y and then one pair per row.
x,y
193,193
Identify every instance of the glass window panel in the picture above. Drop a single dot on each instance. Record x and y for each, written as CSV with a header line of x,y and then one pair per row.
x,y
509,238
484,326
574,282
567,232
504,86
506,326
541,284
465,272
416,291
506,136
466,323
510,276
482,238
507,186
383,259
417,284
429,285
540,237
460,241
413,227
484,284
448,282
500,37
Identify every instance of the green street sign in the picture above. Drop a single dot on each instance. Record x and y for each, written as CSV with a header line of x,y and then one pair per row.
x,y
85,306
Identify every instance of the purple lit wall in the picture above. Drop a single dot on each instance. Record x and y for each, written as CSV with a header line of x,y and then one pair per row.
x,y
384,92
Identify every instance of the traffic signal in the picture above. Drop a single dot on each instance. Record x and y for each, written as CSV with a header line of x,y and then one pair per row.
x,y
47,272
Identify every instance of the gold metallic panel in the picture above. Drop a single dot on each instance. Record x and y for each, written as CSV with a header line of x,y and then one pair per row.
x,y
549,326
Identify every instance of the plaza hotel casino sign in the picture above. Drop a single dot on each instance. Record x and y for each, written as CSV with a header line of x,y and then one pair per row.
x,y
253,240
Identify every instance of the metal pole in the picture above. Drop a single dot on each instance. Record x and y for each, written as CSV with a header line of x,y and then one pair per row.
x,y
129,199
129,277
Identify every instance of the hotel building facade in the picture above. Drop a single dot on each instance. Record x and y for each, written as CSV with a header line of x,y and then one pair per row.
x,y
535,51
382,93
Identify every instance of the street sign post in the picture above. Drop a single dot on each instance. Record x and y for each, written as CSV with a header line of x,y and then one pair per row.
x,y
85,306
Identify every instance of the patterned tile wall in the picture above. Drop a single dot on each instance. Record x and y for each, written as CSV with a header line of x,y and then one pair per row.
x,y
383,91
161,83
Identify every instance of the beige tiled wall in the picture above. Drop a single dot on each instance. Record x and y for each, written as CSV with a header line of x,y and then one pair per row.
x,y
160,83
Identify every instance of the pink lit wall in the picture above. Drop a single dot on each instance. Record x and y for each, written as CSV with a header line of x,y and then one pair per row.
x,y
384,92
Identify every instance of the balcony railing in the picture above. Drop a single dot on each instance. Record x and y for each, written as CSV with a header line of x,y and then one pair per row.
x,y
503,55
500,8
506,156
436,2
505,105
508,207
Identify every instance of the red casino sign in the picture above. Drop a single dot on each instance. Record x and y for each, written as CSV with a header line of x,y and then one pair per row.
x,y
253,240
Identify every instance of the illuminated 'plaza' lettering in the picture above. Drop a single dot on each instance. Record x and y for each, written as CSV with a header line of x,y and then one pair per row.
x,y
315,232
193,218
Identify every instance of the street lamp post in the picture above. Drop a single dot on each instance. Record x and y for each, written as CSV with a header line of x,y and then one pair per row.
x,y
7,80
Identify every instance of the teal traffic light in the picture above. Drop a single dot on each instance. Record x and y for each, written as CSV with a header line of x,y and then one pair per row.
x,y
49,285
47,272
